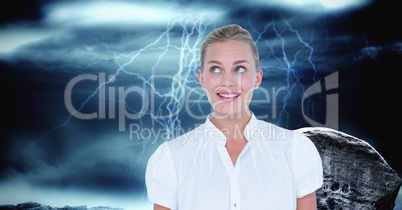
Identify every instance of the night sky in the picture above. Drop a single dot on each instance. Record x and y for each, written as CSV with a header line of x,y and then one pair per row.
x,y
90,88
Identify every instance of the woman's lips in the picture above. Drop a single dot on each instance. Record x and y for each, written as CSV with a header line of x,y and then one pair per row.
x,y
228,96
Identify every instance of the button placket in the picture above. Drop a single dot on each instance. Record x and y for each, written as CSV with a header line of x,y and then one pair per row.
x,y
235,190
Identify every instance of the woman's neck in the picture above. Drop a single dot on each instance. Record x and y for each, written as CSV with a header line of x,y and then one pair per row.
x,y
233,124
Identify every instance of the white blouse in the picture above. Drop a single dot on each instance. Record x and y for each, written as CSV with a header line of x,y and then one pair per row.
x,y
194,171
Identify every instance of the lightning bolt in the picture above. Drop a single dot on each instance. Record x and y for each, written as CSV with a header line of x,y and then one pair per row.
x,y
188,62
287,60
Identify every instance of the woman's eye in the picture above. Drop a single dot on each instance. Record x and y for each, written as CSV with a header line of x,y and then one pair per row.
x,y
240,69
215,69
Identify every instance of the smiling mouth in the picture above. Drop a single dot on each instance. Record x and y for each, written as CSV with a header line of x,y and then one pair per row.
x,y
228,95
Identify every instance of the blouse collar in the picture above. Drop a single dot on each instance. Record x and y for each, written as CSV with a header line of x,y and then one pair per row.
x,y
212,132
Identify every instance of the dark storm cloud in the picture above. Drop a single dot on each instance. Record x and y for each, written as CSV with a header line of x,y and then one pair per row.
x,y
63,16
23,11
76,159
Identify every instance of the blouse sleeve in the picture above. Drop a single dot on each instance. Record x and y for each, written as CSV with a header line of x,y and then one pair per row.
x,y
160,178
307,166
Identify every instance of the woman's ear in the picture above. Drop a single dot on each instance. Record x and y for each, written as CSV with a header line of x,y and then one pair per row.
x,y
200,78
258,79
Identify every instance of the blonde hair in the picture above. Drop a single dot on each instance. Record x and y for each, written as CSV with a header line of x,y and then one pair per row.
x,y
227,33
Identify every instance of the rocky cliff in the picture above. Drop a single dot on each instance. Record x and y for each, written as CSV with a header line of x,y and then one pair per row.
x,y
356,176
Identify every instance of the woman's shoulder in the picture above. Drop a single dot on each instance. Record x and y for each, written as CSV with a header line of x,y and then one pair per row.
x,y
272,131
185,140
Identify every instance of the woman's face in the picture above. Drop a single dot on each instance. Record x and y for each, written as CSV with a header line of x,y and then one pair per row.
x,y
229,77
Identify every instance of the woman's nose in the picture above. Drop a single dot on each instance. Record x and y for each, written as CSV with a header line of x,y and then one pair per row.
x,y
228,80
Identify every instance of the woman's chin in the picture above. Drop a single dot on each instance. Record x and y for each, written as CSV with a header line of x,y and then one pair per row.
x,y
224,112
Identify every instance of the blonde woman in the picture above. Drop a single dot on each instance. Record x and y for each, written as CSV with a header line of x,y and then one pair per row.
x,y
234,160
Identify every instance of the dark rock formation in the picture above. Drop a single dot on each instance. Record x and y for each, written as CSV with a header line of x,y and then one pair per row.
x,y
356,176
37,206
